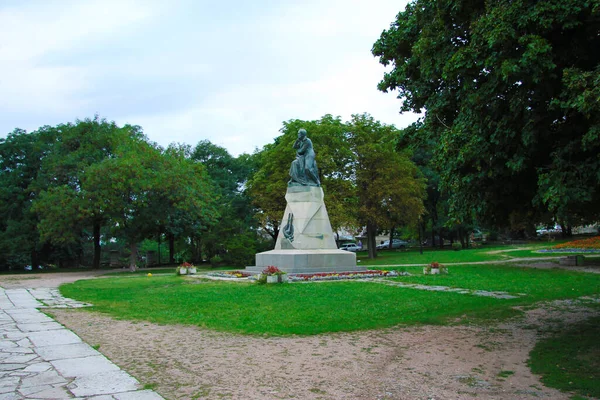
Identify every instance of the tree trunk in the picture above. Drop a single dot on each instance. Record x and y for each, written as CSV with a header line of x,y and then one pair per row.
x,y
275,231
133,257
391,238
171,248
35,260
159,243
420,237
97,247
371,233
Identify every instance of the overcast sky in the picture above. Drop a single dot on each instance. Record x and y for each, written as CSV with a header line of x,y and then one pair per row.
x,y
185,70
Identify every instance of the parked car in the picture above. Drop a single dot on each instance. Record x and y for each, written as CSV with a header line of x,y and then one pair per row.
x,y
350,247
396,244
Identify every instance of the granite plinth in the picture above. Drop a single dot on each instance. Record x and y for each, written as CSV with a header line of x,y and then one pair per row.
x,y
307,261
311,228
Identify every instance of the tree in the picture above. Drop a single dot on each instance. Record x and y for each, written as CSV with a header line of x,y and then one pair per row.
x,y
234,237
389,187
510,90
63,206
21,157
141,186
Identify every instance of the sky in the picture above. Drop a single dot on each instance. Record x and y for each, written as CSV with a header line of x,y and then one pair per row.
x,y
189,70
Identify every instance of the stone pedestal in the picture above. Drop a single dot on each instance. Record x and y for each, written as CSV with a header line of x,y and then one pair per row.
x,y
306,243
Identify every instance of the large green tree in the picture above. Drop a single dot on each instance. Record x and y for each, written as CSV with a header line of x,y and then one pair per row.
x,y
234,237
511,94
141,187
21,158
65,209
389,187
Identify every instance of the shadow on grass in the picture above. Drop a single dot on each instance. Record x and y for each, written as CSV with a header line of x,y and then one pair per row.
x,y
570,360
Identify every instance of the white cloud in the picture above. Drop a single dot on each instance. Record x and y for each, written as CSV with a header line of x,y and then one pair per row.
x,y
191,70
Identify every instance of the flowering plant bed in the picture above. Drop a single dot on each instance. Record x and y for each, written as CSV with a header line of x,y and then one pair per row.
x,y
589,245
335,276
230,274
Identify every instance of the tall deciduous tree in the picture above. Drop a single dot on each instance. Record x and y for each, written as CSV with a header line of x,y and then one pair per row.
x,y
21,158
140,186
389,187
64,207
511,91
234,236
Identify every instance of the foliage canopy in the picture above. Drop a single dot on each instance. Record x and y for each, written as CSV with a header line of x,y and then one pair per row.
x,y
511,93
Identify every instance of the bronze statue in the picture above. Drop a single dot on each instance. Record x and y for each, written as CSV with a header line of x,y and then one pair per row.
x,y
303,171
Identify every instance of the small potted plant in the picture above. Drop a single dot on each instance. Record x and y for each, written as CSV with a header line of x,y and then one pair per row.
x,y
186,268
435,268
272,273
282,277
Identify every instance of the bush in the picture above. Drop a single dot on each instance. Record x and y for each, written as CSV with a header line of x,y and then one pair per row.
x,y
215,260
240,250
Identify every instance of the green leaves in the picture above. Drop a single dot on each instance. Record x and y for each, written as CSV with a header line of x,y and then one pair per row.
x,y
511,93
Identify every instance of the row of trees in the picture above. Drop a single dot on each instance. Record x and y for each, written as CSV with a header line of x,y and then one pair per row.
x,y
92,182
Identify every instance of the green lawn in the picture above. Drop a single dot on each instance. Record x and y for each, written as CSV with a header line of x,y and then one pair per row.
x,y
569,360
477,254
536,284
312,308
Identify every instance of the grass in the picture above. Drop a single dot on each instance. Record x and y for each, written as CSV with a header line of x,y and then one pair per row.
x,y
570,360
535,283
308,309
477,254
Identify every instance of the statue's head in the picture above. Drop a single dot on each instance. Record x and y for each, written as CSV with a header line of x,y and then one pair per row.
x,y
302,133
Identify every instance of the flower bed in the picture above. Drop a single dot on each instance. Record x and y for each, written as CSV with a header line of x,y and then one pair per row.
x,y
230,274
321,276
335,276
589,243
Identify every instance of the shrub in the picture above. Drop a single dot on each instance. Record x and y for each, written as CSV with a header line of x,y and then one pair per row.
x,y
215,260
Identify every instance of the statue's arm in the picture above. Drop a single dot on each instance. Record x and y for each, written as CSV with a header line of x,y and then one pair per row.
x,y
306,144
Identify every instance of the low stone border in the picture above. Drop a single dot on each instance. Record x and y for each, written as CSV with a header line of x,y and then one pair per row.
x,y
484,293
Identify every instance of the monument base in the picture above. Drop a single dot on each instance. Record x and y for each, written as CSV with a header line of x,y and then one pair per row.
x,y
307,261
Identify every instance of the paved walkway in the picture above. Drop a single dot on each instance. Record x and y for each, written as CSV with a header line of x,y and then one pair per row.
x,y
41,359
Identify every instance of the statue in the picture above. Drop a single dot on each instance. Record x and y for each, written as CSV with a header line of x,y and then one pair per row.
x,y
304,170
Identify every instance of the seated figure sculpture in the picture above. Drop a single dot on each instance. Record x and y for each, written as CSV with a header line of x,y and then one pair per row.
x,y
303,171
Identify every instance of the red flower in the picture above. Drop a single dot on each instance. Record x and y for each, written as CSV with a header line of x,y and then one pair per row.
x,y
271,270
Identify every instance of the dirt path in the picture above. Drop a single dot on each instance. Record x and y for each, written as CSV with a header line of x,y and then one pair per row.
x,y
428,362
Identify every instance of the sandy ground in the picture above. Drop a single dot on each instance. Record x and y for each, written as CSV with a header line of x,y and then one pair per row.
x,y
428,362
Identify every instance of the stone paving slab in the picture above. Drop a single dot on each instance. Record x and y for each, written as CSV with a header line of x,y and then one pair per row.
x,y
40,359
103,383
75,350
85,366
53,338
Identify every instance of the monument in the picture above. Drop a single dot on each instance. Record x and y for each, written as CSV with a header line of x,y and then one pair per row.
x,y
305,243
